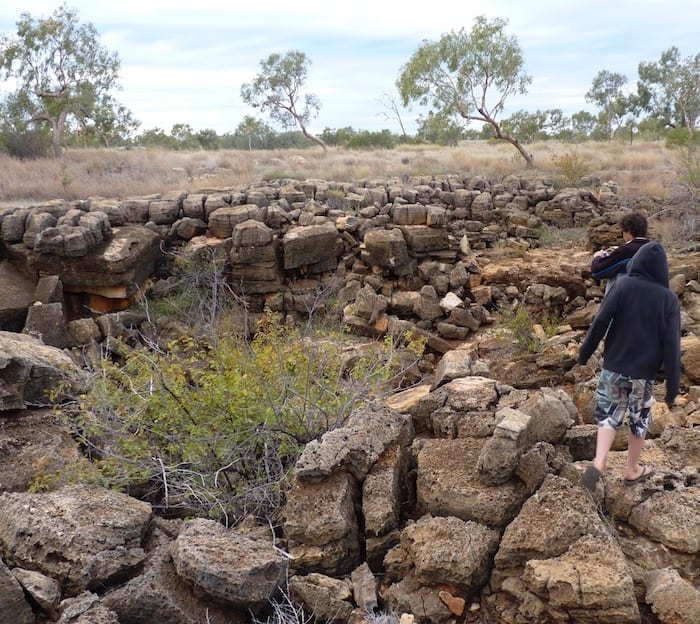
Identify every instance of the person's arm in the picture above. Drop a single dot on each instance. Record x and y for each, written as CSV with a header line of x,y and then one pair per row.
x,y
607,265
598,327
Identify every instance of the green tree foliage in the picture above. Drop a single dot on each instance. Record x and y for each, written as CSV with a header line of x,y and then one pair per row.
x,y
528,126
253,134
63,74
277,90
583,125
367,139
350,138
468,73
670,89
208,139
606,93
439,129
15,138
155,137
111,125
338,137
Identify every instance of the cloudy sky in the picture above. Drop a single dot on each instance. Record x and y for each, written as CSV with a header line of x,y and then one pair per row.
x,y
185,61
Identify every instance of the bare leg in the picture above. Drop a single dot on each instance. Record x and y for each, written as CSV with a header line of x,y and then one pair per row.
x,y
634,452
604,442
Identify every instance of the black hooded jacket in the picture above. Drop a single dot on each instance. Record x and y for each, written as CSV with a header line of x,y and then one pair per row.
x,y
645,332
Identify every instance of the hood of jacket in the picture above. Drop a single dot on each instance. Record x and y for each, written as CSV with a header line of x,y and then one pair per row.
x,y
651,263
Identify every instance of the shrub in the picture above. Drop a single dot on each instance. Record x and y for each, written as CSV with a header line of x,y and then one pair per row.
x,y
571,169
212,426
520,326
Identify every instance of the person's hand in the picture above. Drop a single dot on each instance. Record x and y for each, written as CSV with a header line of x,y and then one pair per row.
x,y
604,252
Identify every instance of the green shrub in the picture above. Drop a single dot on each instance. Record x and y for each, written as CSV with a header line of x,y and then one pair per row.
x,y
212,426
520,326
570,168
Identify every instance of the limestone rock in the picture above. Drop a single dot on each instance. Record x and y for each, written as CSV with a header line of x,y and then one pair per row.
x,y
450,551
14,608
97,532
672,518
48,323
364,589
329,599
18,294
591,576
117,267
31,371
672,598
227,566
86,609
567,512
448,484
462,407
355,447
222,221
43,590
159,594
315,246
500,455
321,525
383,490
409,596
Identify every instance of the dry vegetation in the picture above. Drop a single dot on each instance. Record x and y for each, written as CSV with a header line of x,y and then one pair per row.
x,y
640,169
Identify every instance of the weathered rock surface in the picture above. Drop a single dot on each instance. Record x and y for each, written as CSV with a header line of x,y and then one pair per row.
x,y
83,536
31,371
458,498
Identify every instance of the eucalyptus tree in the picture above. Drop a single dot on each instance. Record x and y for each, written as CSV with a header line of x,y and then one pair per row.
x,y
468,75
670,89
606,92
61,71
277,90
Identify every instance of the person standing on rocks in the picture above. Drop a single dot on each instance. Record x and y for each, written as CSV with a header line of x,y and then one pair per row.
x,y
608,264
639,320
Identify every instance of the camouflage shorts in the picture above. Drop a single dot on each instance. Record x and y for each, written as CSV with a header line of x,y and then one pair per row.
x,y
617,394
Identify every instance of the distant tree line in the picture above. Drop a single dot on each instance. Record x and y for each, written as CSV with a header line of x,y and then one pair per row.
x,y
64,79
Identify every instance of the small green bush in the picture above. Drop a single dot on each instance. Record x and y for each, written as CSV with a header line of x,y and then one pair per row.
x,y
520,326
213,426
570,168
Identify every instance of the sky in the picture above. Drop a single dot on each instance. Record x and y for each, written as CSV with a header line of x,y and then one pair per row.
x,y
185,62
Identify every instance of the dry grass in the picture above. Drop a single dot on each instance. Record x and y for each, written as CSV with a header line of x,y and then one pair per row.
x,y
640,170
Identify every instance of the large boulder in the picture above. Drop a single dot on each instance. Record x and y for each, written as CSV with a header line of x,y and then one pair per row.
x,y
672,598
355,447
85,537
117,268
31,371
35,444
449,484
228,567
160,595
431,544
316,247
14,608
321,525
18,294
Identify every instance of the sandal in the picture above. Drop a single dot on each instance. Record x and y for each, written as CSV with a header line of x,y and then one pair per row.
x,y
590,478
647,471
